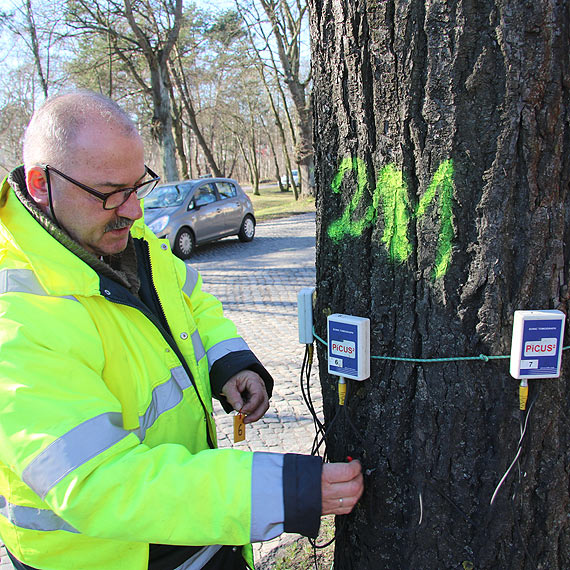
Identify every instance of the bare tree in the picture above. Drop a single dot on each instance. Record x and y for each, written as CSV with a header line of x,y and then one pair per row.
x,y
269,86
147,29
286,19
39,35
183,90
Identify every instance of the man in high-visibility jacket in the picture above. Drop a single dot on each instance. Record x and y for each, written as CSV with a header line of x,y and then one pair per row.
x,y
110,354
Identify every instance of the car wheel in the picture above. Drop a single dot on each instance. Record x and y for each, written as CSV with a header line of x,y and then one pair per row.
x,y
184,243
247,230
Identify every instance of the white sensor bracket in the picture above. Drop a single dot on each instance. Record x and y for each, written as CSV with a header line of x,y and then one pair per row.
x,y
348,346
305,299
536,347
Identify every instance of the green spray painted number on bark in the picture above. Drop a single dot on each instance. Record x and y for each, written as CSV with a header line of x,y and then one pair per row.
x,y
391,193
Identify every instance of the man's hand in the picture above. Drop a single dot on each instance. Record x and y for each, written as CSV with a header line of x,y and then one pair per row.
x,y
342,485
247,394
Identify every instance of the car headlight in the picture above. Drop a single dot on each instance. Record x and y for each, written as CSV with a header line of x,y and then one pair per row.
x,y
159,224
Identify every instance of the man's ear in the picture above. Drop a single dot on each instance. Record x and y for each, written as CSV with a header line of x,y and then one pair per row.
x,y
36,182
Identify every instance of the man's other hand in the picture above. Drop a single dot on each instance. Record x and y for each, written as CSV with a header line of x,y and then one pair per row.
x,y
342,485
246,393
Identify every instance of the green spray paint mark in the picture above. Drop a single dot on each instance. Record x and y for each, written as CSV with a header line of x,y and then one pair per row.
x,y
442,180
392,189
392,193
346,225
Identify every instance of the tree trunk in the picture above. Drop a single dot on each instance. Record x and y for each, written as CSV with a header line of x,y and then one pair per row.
x,y
33,32
442,152
181,85
179,136
162,120
157,59
286,33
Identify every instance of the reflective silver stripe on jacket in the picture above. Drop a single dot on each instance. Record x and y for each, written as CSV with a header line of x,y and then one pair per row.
x,y
199,351
32,518
22,281
191,280
96,435
72,450
224,348
200,559
267,508
164,398
192,277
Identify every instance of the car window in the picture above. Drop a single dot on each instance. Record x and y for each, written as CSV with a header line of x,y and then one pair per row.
x,y
226,190
205,195
166,196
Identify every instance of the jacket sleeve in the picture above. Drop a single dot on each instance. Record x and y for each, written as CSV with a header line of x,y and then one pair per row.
x,y
297,508
227,352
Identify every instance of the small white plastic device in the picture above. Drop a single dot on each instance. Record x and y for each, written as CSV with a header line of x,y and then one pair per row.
x,y
536,347
348,346
305,314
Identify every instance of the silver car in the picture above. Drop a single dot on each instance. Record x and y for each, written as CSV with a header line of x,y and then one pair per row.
x,y
191,212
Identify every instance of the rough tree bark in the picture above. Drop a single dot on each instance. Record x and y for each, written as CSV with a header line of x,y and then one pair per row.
x,y
442,141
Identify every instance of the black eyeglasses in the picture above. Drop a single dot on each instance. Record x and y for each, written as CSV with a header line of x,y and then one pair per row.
x,y
116,198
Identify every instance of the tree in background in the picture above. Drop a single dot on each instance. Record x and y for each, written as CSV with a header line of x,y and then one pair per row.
x,y
442,140
30,36
147,29
218,105
284,44
259,41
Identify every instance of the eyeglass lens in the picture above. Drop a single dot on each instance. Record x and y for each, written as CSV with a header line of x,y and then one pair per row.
x,y
117,199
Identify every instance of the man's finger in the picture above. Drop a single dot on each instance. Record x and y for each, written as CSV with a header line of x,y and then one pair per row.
x,y
342,485
255,395
257,402
257,412
339,472
233,396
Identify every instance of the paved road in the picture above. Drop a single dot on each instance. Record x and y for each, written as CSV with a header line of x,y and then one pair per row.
x,y
258,284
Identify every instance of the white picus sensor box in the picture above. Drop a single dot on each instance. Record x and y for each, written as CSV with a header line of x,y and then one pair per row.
x,y
349,346
305,301
536,347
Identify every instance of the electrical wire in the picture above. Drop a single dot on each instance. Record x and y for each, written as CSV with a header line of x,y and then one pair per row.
x,y
306,391
322,432
523,428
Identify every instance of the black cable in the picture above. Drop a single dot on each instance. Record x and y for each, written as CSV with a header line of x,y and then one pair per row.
x,y
324,438
306,392
346,415
320,432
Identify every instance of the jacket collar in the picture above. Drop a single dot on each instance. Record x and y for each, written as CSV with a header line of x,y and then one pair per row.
x,y
58,260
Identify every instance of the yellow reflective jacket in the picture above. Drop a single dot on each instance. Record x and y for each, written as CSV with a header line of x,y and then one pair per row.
x,y
106,424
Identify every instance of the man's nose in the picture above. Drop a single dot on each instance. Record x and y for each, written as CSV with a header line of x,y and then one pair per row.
x,y
131,209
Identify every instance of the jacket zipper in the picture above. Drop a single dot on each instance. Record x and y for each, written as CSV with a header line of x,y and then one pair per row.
x,y
171,343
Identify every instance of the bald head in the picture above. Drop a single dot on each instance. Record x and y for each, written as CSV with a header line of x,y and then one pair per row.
x,y
51,134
